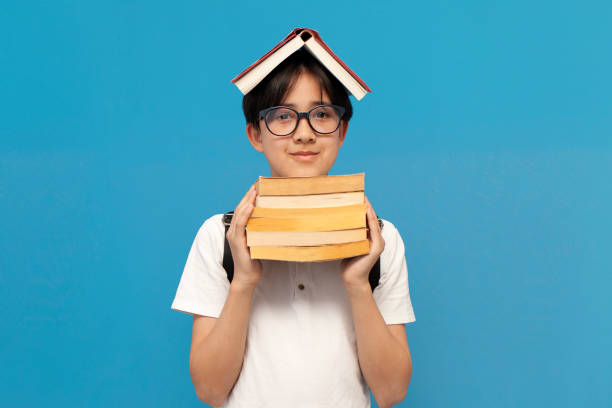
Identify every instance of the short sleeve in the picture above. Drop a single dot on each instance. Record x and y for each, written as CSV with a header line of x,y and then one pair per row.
x,y
204,286
392,295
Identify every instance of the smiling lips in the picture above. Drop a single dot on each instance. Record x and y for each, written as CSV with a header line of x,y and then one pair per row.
x,y
304,155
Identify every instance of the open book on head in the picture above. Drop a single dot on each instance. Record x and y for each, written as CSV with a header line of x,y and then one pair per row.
x,y
311,41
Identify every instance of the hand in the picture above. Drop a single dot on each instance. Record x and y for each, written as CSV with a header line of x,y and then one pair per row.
x,y
246,270
355,270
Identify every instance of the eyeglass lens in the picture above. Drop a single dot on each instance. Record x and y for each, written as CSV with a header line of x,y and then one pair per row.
x,y
283,121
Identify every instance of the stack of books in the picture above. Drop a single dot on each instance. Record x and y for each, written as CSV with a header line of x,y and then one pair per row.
x,y
308,218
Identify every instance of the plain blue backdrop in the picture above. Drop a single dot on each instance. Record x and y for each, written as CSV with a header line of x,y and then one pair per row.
x,y
487,141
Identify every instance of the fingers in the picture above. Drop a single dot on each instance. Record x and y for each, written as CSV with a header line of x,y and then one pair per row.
x,y
242,213
375,231
371,216
247,197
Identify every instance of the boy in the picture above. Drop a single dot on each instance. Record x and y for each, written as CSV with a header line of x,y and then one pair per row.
x,y
296,334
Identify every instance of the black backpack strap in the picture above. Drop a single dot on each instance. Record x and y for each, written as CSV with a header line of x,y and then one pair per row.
x,y
374,276
228,261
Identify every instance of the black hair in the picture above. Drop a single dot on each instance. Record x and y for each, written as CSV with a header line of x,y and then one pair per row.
x,y
275,87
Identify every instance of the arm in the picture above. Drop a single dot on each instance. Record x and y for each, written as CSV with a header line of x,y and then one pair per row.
x,y
217,346
384,356
217,349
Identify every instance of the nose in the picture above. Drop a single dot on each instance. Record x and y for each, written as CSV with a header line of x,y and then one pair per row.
x,y
303,133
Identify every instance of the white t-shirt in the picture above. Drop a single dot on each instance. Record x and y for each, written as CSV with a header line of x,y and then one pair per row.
x,y
301,348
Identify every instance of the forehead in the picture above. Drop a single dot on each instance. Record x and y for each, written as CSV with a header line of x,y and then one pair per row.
x,y
306,90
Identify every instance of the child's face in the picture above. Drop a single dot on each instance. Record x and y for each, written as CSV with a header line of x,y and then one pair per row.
x,y
280,151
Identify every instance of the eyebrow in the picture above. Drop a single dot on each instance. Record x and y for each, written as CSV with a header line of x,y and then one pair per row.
x,y
313,103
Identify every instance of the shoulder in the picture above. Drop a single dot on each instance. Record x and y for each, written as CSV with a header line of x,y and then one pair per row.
x,y
214,222
394,245
211,234
390,233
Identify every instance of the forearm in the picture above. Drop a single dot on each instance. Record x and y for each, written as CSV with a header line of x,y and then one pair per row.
x,y
385,363
216,360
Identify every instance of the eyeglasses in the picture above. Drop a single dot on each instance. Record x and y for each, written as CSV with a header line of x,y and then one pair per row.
x,y
282,120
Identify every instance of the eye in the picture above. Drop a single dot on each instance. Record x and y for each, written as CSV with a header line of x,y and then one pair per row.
x,y
281,115
324,113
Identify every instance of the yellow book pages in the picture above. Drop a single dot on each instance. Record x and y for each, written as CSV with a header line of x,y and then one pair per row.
x,y
311,201
330,222
310,238
311,254
282,186
260,212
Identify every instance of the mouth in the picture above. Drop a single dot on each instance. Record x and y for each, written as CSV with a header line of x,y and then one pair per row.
x,y
304,156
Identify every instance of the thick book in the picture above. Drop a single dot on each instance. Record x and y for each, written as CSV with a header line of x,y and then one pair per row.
x,y
259,212
311,253
311,41
310,200
305,238
267,186
332,222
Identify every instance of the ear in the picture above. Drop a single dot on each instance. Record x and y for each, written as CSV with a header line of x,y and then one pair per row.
x,y
343,129
254,136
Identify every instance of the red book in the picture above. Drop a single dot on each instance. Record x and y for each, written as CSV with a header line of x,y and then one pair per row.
x,y
311,40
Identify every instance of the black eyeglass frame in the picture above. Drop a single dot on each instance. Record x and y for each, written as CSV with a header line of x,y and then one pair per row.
x,y
300,115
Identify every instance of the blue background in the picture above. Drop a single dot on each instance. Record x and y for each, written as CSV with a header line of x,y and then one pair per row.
x,y
486,141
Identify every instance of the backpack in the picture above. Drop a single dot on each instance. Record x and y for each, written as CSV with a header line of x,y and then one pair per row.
x,y
228,261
